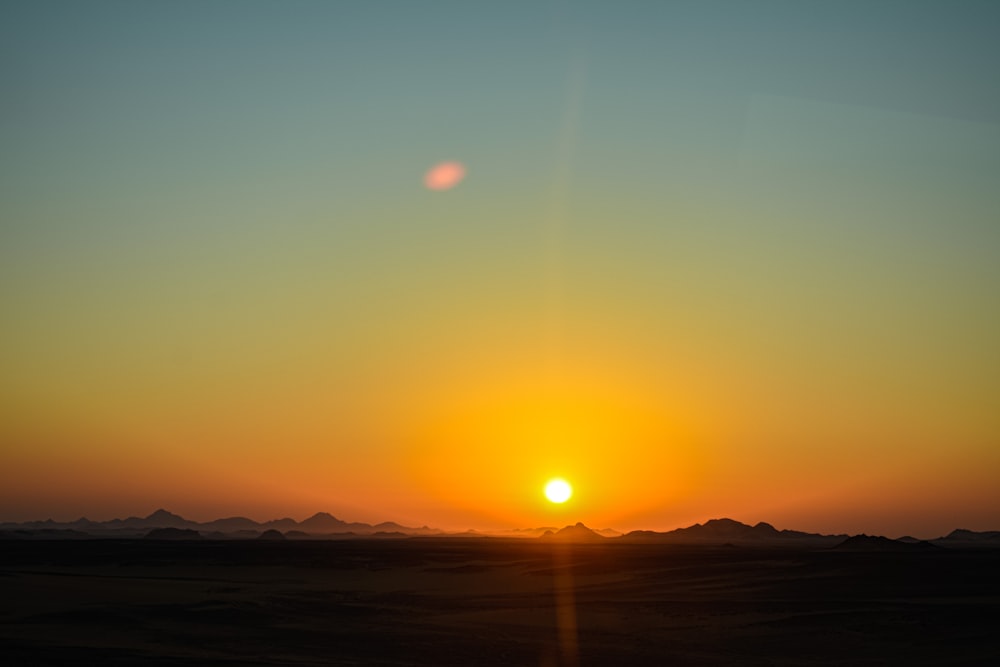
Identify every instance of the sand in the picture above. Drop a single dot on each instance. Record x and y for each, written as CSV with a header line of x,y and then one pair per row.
x,y
440,601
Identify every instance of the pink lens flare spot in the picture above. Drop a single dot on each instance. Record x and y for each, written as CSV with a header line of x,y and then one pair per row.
x,y
444,176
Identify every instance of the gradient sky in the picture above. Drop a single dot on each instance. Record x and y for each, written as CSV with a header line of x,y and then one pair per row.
x,y
709,259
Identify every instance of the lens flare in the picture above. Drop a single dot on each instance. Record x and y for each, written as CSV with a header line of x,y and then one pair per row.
x,y
444,176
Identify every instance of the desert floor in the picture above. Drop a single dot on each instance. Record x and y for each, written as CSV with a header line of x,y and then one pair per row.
x,y
442,601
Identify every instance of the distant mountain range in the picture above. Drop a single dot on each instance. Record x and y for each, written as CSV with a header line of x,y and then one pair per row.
x,y
727,532
162,524
321,524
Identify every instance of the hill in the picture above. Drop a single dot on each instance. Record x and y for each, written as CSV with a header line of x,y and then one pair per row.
x,y
271,534
970,539
321,524
729,531
575,533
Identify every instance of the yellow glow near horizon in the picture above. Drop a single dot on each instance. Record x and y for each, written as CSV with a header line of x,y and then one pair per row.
x,y
558,491
478,443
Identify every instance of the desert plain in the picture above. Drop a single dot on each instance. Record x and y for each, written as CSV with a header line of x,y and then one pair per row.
x,y
491,601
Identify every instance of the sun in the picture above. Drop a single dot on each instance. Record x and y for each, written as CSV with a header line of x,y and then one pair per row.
x,y
558,490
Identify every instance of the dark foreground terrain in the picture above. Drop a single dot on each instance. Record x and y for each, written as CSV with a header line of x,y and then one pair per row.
x,y
437,601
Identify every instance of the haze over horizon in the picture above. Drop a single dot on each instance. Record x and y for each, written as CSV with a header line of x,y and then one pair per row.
x,y
321,514
408,262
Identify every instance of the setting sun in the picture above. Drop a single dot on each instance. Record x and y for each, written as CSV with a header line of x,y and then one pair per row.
x,y
558,490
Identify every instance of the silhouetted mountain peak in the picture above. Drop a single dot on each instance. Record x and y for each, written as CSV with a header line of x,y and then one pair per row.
x,y
388,526
323,521
575,533
161,518
963,534
271,535
970,538
726,531
722,528
232,524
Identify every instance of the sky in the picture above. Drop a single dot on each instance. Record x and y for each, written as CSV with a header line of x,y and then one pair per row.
x,y
707,259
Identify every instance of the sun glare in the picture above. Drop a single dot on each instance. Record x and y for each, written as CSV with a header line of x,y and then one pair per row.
x,y
558,490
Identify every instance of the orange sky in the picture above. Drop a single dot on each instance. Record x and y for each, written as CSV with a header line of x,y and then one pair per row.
x,y
698,265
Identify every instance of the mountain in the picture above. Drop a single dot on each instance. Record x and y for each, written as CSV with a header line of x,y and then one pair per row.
x,y
162,517
576,533
728,531
324,522
271,534
970,539
321,524
231,524
281,524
